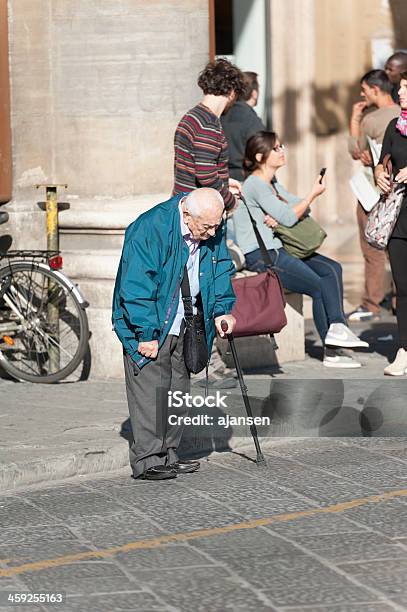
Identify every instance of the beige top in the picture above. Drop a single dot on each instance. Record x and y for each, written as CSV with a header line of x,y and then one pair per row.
x,y
374,125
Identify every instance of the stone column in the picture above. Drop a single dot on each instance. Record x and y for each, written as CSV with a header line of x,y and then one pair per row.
x,y
292,47
98,88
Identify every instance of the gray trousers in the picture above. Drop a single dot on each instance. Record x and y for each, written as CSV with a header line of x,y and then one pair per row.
x,y
155,440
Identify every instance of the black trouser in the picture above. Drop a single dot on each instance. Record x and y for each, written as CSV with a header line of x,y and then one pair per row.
x,y
398,261
155,440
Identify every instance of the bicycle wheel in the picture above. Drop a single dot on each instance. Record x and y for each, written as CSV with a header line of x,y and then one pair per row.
x,y
44,329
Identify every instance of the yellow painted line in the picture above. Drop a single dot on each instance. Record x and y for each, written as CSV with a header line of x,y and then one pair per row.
x,y
37,566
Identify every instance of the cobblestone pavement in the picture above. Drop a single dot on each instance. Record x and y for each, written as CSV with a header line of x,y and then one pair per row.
x,y
322,528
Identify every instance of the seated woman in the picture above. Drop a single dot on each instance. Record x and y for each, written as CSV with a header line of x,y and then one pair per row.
x,y
317,276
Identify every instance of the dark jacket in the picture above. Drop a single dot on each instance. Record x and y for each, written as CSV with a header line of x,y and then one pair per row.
x,y
239,123
151,267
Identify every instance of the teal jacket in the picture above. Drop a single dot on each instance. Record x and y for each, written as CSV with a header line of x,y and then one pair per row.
x,y
151,267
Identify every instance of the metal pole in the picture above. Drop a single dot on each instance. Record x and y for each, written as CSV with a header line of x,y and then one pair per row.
x,y
51,208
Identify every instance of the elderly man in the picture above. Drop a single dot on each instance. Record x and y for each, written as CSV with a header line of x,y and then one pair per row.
x,y
182,234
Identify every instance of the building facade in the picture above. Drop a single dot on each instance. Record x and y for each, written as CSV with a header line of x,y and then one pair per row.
x,y
98,86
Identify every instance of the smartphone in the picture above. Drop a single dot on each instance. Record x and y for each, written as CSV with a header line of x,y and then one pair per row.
x,y
322,174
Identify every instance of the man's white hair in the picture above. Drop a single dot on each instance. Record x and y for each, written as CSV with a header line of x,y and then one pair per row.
x,y
202,200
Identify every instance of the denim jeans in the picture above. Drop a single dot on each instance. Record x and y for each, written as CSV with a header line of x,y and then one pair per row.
x,y
316,276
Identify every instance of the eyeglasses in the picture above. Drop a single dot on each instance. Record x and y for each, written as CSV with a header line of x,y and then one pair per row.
x,y
278,148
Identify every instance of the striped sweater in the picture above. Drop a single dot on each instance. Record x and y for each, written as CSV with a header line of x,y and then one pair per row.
x,y
201,154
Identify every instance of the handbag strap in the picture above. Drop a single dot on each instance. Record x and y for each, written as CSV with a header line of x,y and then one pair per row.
x,y
387,165
263,249
186,295
278,194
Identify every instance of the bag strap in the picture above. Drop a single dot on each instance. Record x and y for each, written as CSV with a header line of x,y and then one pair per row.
x,y
278,194
186,295
387,165
263,250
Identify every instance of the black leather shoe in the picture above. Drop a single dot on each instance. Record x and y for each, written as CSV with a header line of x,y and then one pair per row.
x,y
188,462
159,472
185,467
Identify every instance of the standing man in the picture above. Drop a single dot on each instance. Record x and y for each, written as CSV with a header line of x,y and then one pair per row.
x,y
201,153
395,65
376,91
183,233
241,122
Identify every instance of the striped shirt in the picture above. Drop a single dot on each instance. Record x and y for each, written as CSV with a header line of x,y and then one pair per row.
x,y
201,154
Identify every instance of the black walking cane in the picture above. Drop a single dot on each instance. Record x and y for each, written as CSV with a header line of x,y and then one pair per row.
x,y
260,460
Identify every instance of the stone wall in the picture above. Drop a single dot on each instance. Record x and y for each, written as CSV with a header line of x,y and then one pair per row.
x,y
97,88
315,80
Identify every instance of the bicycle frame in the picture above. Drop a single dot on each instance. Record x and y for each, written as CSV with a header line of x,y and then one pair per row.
x,y
39,299
72,287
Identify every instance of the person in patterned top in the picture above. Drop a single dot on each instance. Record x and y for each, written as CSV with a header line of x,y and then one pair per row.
x,y
201,152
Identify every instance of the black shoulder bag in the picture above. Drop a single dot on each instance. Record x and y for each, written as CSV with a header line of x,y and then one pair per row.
x,y
195,346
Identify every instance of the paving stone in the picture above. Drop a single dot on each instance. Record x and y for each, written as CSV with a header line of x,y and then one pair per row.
x,y
32,534
170,556
38,551
63,504
360,607
188,511
119,602
388,518
110,531
82,578
352,547
23,608
333,490
249,543
15,512
401,602
282,595
216,590
381,473
330,455
241,486
318,524
390,576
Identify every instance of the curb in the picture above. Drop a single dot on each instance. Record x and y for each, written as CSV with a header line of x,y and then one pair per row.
x,y
80,463
86,462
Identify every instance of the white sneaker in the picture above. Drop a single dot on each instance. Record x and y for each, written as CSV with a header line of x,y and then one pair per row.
x,y
340,335
336,358
399,365
363,314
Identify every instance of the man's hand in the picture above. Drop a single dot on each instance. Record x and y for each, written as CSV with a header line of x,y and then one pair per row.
x,y
148,349
366,158
230,320
357,111
235,187
402,176
270,221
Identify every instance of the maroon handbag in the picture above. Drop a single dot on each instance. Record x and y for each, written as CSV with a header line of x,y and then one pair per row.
x,y
260,302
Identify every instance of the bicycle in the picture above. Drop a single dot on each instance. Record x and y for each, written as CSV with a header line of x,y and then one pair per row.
x,y
44,329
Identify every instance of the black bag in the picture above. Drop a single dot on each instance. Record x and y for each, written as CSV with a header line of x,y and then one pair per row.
x,y
196,354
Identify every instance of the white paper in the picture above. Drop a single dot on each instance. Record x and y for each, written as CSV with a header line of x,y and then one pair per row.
x,y
375,149
363,189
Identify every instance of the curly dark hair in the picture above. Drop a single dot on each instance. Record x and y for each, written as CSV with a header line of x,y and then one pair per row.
x,y
403,75
261,142
220,78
